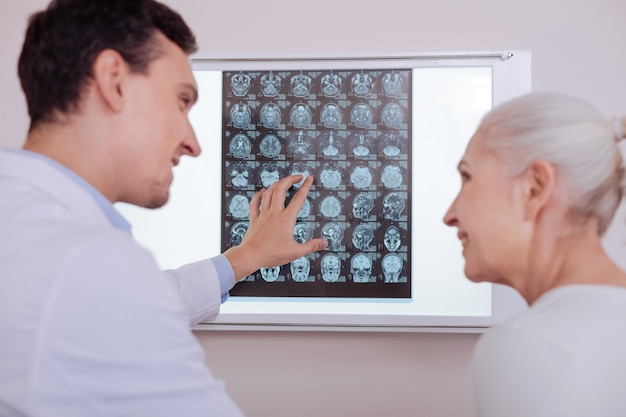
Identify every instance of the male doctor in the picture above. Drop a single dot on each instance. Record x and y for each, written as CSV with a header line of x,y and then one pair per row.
x,y
89,326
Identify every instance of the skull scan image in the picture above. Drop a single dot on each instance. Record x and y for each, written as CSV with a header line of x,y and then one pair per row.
x,y
361,267
392,145
330,266
240,84
362,236
362,116
300,85
270,273
392,238
362,205
300,116
331,84
361,84
333,233
331,144
330,175
270,173
392,115
240,115
237,231
270,115
300,143
239,175
331,116
302,232
300,269
240,146
392,84
361,144
391,176
361,177
270,146
238,206
393,205
392,266
302,169
270,84
330,207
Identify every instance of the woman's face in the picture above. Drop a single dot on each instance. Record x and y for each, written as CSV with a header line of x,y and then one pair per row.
x,y
488,214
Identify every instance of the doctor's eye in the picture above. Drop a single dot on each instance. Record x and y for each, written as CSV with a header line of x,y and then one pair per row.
x,y
186,102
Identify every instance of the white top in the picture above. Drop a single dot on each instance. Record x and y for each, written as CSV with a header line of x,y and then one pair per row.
x,y
89,326
564,356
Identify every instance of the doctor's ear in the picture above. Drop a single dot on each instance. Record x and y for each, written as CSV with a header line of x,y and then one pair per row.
x,y
110,76
539,181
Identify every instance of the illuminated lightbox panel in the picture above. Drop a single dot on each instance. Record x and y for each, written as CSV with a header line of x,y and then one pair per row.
x,y
382,137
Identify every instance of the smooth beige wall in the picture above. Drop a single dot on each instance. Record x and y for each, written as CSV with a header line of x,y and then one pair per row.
x,y
578,47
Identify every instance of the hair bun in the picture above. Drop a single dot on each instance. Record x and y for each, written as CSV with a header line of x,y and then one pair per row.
x,y
619,128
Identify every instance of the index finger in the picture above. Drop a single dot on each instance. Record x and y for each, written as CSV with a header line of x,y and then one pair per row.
x,y
277,192
298,199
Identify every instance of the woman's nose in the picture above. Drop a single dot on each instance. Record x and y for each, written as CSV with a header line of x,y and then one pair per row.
x,y
450,217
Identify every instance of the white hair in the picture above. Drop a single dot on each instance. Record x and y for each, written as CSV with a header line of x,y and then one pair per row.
x,y
571,135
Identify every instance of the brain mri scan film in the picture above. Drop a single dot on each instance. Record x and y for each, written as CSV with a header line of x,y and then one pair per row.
x,y
351,131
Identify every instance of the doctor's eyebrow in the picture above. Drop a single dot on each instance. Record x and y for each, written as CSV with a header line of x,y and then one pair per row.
x,y
460,165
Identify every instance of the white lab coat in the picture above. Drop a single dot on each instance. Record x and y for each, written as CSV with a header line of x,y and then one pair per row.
x,y
89,326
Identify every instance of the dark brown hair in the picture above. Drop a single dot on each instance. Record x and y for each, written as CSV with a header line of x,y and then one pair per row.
x,y
63,41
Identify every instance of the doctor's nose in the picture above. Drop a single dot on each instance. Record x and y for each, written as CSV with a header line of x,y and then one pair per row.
x,y
190,143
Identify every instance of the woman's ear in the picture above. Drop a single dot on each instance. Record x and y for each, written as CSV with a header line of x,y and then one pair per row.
x,y
539,182
110,76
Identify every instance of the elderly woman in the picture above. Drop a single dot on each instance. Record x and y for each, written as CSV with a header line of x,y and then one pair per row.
x,y
541,180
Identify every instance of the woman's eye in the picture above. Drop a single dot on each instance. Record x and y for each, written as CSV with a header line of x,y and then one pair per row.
x,y
464,176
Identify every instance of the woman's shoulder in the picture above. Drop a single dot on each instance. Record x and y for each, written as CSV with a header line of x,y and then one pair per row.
x,y
569,341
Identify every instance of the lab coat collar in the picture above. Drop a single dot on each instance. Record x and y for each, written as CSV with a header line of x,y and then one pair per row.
x,y
62,185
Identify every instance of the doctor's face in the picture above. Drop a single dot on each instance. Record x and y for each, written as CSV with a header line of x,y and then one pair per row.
x,y
159,131
487,214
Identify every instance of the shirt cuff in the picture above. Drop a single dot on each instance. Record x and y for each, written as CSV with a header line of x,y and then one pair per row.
x,y
225,274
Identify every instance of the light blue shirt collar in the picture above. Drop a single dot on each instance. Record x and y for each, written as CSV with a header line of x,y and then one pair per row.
x,y
115,218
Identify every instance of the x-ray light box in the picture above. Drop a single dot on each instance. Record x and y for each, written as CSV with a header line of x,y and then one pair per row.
x,y
382,136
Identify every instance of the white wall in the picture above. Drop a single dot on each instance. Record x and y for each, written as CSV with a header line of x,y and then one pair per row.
x,y
578,46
